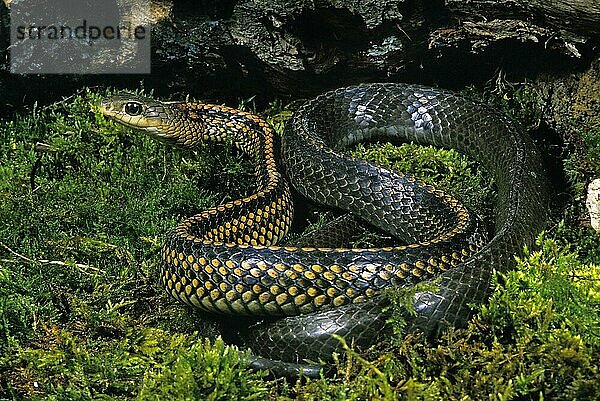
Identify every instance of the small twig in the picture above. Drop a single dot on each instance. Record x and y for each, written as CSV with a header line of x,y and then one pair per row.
x,y
583,278
404,32
82,267
16,253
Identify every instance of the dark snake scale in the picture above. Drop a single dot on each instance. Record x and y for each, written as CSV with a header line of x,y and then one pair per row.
x,y
230,259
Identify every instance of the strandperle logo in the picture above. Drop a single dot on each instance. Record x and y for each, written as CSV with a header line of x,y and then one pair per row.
x,y
81,32
80,36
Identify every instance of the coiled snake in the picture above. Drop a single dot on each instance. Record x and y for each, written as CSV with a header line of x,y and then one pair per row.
x,y
227,259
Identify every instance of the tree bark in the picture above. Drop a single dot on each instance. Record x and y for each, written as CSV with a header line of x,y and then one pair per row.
x,y
226,49
559,24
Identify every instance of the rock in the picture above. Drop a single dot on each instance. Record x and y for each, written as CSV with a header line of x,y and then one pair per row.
x,y
593,203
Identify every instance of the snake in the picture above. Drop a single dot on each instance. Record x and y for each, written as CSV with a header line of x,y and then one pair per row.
x,y
232,260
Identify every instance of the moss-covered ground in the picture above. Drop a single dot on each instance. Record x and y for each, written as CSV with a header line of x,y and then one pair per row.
x,y
85,203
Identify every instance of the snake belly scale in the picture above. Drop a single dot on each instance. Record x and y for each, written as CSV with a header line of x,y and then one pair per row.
x,y
229,260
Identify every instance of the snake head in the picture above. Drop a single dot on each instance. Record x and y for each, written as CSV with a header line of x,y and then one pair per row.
x,y
142,113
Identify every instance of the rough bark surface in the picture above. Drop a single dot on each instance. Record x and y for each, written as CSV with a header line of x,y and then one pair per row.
x,y
223,50
572,108
557,24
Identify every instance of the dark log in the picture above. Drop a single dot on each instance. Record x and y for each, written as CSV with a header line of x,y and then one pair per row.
x,y
577,16
558,24
224,50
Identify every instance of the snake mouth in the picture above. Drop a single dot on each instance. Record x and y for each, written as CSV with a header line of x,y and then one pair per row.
x,y
113,114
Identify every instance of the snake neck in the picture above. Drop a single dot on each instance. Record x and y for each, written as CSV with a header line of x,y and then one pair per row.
x,y
229,223
192,124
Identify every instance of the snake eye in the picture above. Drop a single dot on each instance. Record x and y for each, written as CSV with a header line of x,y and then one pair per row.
x,y
133,108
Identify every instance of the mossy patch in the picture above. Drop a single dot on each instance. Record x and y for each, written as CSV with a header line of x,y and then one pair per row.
x,y
83,214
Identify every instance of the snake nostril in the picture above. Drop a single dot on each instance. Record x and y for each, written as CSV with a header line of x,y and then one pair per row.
x,y
105,104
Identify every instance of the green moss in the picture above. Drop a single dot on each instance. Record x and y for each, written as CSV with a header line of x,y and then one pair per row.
x,y
82,221
446,169
150,364
204,370
550,286
82,316
591,139
538,338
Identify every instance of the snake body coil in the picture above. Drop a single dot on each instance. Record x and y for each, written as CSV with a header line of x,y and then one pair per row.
x,y
227,260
